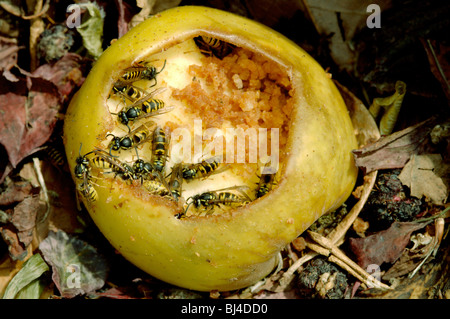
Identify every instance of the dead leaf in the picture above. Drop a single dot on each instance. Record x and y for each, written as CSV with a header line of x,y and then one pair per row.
x,y
149,7
77,267
424,174
29,108
395,150
8,57
385,246
18,233
16,191
66,74
27,122
339,20
123,18
438,57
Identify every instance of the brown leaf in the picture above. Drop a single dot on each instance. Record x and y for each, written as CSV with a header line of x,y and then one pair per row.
x,y
18,234
384,246
16,192
438,57
27,122
15,249
425,176
65,74
395,150
8,56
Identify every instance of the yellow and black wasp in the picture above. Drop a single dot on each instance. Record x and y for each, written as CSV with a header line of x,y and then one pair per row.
x,y
208,200
213,46
156,187
55,155
176,181
82,167
203,169
266,181
88,191
143,170
128,92
103,160
134,138
160,145
138,110
82,173
140,72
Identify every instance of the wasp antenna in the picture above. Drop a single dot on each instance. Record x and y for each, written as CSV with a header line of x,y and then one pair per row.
x,y
164,65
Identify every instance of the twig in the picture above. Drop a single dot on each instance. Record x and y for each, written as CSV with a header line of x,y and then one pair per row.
x,y
40,177
343,261
337,235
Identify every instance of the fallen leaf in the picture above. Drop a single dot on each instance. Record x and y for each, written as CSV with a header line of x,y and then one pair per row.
x,y
8,57
66,74
438,57
385,246
149,7
77,267
27,121
32,269
395,150
339,21
424,175
122,20
16,191
91,30
18,233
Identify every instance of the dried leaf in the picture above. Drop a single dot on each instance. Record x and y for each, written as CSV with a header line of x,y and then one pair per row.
x,y
395,150
424,174
408,261
8,56
18,233
385,246
122,24
27,121
77,267
339,20
65,74
32,269
438,57
91,30
149,7
16,192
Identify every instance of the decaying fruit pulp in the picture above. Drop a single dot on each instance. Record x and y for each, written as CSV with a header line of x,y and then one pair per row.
x,y
202,143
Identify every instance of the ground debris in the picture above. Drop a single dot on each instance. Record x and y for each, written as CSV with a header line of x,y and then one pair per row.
x,y
321,279
395,150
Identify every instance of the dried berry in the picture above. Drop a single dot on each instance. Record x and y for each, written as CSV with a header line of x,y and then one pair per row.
x,y
389,202
321,279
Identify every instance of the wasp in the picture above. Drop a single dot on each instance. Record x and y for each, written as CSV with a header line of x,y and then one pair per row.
x,y
88,191
159,149
134,138
266,181
129,92
208,200
141,72
176,181
56,157
155,187
137,111
213,46
143,170
82,167
203,169
103,160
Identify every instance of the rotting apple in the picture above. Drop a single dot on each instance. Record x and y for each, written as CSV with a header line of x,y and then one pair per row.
x,y
225,249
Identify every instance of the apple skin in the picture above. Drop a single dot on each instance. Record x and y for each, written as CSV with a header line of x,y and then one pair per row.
x,y
236,249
